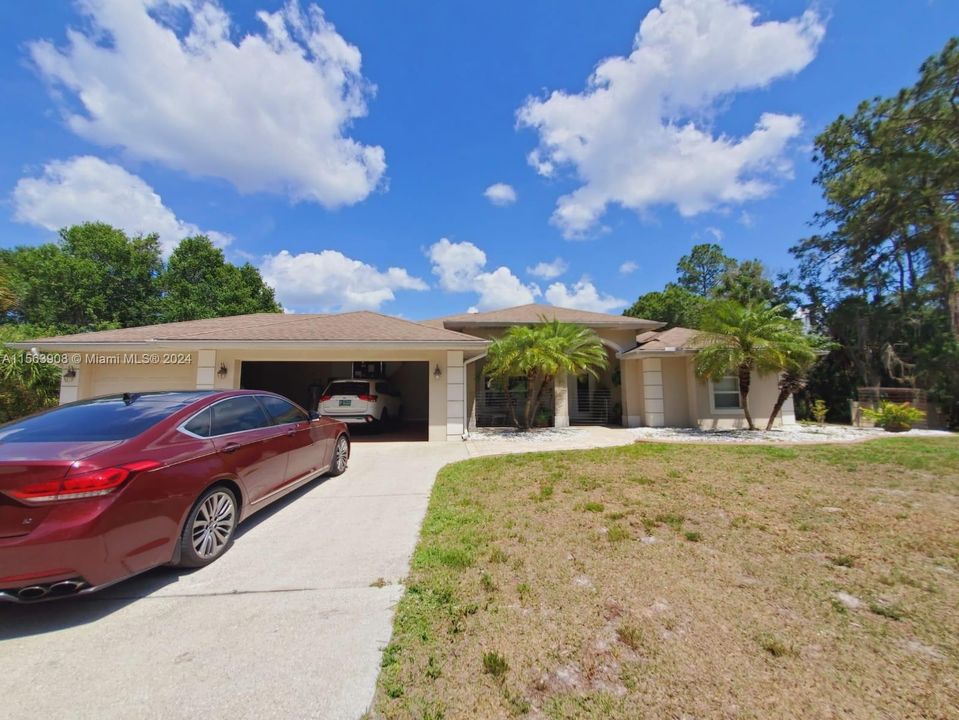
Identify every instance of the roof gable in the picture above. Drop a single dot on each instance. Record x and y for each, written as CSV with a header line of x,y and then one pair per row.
x,y
676,339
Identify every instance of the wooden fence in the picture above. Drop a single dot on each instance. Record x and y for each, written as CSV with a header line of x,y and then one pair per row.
x,y
871,397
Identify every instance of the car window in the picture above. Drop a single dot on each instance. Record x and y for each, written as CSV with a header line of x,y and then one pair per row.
x,y
117,417
238,414
282,411
348,388
199,424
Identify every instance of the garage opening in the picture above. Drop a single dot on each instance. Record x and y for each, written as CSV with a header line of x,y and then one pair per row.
x,y
304,383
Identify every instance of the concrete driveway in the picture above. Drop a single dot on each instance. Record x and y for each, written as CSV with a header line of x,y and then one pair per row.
x,y
285,625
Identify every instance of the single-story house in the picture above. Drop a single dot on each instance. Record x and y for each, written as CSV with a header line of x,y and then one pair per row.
x,y
436,364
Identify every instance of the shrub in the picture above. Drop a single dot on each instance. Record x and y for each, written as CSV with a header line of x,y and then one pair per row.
x,y
894,417
819,411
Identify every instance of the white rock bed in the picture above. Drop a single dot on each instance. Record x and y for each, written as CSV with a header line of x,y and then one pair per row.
x,y
536,435
601,436
798,433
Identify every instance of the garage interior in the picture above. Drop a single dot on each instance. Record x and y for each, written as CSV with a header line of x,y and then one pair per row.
x,y
304,381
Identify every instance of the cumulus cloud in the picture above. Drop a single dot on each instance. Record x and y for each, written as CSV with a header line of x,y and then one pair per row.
x,y
746,220
500,194
329,281
639,134
165,81
582,295
88,189
628,267
460,267
549,270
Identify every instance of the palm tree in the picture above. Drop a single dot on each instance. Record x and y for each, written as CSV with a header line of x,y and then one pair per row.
x,y
795,375
539,353
743,339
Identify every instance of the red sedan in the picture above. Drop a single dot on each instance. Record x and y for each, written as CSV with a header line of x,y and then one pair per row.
x,y
95,491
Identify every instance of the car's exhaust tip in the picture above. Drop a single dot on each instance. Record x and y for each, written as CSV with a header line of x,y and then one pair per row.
x,y
66,587
45,591
34,592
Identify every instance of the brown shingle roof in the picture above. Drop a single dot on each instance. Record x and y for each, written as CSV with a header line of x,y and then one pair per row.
x,y
534,312
359,326
677,339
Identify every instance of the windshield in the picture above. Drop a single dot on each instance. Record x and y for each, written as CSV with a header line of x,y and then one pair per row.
x,y
117,417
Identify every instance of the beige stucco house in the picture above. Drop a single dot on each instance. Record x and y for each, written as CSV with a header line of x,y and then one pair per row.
x,y
437,365
649,379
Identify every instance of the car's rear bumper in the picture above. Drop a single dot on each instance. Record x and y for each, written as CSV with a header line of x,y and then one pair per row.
x,y
86,542
28,562
351,419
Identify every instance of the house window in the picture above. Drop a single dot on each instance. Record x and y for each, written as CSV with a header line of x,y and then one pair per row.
x,y
726,393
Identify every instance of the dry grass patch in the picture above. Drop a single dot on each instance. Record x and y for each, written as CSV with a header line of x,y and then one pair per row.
x,y
667,581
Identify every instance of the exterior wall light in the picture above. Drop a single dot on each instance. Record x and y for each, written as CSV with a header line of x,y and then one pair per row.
x,y
437,373
222,371
70,373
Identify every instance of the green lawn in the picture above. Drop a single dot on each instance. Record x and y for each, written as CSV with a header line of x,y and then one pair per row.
x,y
669,581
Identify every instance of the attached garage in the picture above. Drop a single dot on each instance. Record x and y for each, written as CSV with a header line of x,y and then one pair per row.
x,y
293,355
304,381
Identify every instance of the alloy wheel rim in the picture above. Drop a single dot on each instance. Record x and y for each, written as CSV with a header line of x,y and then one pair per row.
x,y
341,455
213,525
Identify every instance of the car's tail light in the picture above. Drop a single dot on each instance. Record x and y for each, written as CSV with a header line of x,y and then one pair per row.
x,y
325,398
83,485
366,398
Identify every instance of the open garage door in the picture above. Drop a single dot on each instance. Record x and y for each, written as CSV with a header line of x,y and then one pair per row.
x,y
304,382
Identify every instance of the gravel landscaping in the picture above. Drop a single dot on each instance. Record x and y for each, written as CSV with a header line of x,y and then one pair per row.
x,y
535,435
798,433
602,436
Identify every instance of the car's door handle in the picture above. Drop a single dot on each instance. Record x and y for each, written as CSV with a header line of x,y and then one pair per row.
x,y
291,433
231,447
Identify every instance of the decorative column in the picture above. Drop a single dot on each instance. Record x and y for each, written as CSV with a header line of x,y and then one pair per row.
x,y
653,405
631,416
455,395
70,386
205,369
472,373
561,400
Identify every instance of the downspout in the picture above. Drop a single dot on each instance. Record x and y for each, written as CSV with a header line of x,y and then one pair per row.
x,y
466,419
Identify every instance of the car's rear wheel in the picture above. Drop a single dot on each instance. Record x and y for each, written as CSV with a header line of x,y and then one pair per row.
x,y
341,456
210,528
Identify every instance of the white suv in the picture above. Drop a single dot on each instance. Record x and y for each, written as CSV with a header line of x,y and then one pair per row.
x,y
361,401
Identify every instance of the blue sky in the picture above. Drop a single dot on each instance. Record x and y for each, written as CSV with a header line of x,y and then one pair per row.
x,y
348,151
